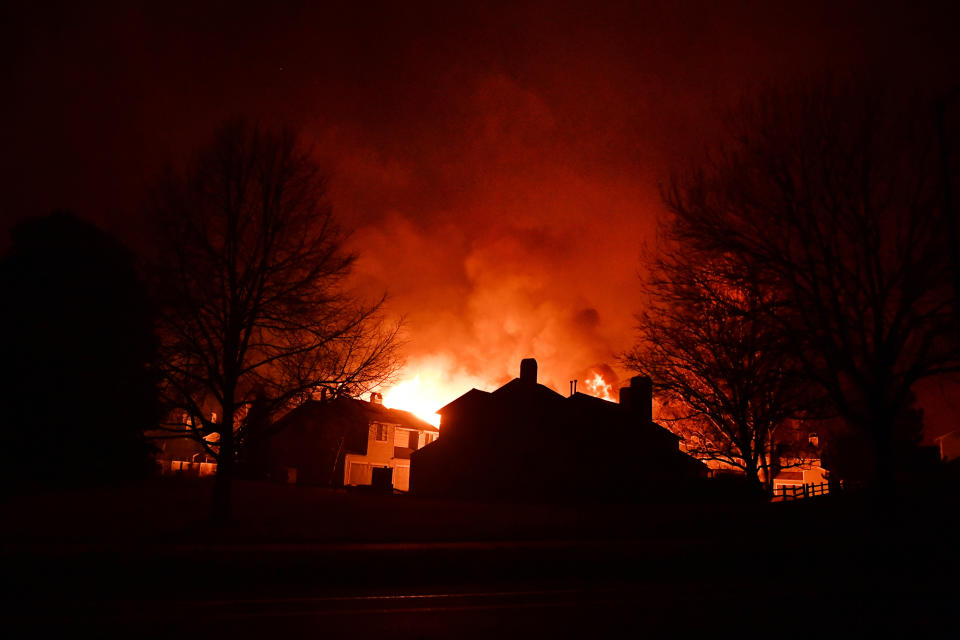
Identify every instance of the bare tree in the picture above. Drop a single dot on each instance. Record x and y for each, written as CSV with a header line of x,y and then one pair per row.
x,y
830,200
252,285
728,385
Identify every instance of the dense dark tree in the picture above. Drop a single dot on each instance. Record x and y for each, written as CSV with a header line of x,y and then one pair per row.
x,y
255,308
850,457
77,344
831,200
727,383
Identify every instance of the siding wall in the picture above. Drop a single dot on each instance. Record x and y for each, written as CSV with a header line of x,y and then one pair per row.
x,y
358,469
380,450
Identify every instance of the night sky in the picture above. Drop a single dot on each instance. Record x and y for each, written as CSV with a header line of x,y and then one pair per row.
x,y
498,165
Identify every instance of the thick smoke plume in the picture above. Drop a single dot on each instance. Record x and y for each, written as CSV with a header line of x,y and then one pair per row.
x,y
498,241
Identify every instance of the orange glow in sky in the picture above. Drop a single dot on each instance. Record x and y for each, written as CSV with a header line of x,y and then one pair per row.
x,y
429,384
414,396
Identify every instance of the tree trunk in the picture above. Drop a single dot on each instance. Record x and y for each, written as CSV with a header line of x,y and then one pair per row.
x,y
769,472
752,472
220,509
883,440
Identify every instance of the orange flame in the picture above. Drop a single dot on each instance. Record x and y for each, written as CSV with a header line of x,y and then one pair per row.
x,y
597,386
412,395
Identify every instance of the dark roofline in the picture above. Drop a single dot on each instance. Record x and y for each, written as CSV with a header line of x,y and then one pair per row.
x,y
472,393
372,411
579,395
519,383
393,416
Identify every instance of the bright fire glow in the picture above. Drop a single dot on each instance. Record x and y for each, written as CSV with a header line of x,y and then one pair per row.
x,y
411,395
596,386
431,384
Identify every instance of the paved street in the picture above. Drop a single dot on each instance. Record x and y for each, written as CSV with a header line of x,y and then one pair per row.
x,y
473,589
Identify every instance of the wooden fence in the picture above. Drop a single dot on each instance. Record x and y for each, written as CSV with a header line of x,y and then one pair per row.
x,y
798,491
184,468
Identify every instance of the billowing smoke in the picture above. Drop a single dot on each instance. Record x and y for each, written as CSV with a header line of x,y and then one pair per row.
x,y
500,240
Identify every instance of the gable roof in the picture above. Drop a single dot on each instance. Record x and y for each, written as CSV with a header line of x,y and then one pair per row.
x,y
360,411
546,402
380,413
519,387
473,395
612,409
508,392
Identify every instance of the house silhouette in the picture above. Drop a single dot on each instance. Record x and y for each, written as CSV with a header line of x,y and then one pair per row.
x,y
526,441
342,442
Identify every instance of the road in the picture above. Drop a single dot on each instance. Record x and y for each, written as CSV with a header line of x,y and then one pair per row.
x,y
503,589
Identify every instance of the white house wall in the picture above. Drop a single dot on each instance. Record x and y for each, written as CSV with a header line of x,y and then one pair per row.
x,y
358,469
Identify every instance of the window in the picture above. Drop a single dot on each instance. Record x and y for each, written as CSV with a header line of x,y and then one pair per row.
x,y
360,473
381,432
428,438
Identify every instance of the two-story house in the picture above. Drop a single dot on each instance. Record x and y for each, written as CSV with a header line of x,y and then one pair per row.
x,y
346,442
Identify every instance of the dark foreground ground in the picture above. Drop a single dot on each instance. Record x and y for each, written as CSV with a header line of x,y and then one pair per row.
x,y
142,562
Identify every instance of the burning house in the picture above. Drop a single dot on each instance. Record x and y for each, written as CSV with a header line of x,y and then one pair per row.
x,y
527,441
343,442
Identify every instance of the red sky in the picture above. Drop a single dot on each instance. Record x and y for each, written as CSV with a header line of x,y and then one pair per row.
x,y
498,165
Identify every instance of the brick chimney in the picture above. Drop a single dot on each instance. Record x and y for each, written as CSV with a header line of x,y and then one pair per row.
x,y
528,371
638,398
376,398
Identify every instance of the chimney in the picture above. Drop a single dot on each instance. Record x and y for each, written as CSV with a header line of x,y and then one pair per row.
x,y
626,399
641,390
376,398
528,371
638,398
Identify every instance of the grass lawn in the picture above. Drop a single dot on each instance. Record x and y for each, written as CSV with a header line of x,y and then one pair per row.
x,y
153,544
176,511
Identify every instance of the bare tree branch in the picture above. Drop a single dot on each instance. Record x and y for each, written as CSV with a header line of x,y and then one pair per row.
x,y
252,285
828,200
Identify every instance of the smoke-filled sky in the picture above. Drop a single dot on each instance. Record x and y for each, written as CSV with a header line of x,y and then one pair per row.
x,y
498,164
